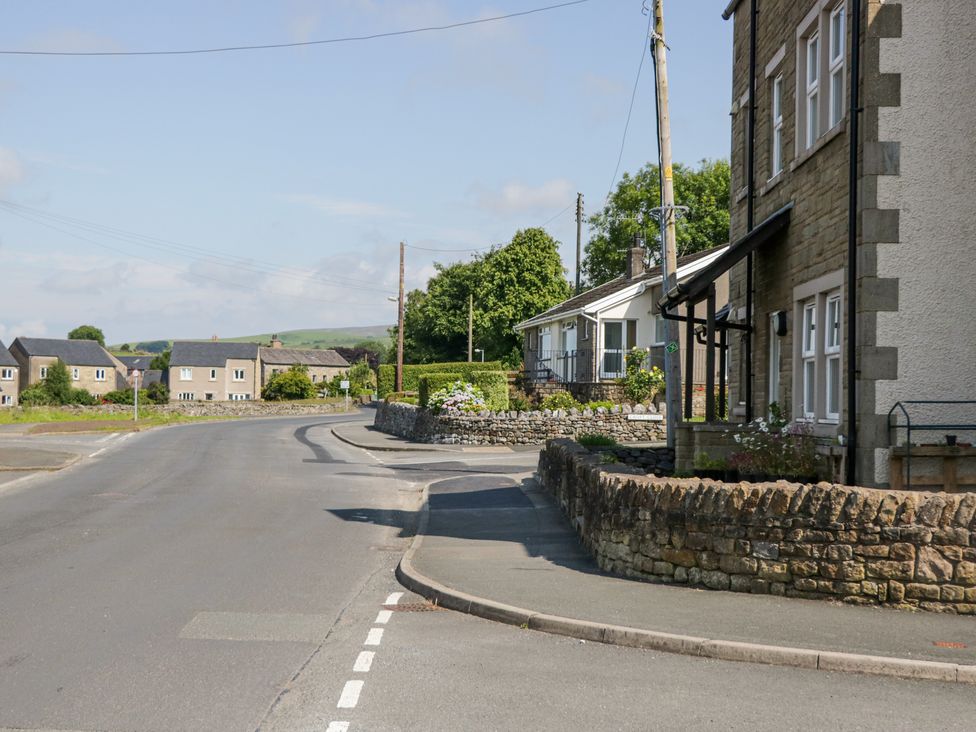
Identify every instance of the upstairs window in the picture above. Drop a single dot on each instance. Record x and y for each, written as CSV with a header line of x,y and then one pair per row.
x,y
238,374
821,67
776,151
43,372
835,68
213,374
812,110
7,374
186,374
75,374
99,374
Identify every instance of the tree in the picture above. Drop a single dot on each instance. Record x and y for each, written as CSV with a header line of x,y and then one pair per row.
x,y
57,383
704,190
509,284
160,362
125,347
87,333
291,384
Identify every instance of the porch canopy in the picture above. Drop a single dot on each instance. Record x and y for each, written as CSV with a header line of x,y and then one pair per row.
x,y
702,287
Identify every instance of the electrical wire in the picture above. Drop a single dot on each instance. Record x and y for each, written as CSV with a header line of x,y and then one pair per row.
x,y
298,44
630,109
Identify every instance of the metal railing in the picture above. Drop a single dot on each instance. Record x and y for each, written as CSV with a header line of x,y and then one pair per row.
x,y
559,366
909,426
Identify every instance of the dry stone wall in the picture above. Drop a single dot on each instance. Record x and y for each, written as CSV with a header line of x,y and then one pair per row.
x,y
824,541
624,424
217,409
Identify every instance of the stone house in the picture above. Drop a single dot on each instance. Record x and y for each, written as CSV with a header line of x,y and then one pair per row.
x,y
214,371
90,366
322,364
585,339
9,378
141,364
852,264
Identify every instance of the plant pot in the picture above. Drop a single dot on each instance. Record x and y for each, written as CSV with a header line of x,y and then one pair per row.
x,y
950,440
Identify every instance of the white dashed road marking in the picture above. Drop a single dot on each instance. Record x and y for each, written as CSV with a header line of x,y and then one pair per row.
x,y
364,662
393,598
350,694
374,637
383,617
338,727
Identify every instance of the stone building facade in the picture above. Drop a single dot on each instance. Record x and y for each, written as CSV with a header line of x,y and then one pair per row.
x,y
914,299
90,366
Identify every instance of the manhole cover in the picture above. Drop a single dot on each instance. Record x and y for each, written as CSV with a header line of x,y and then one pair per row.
x,y
413,607
948,644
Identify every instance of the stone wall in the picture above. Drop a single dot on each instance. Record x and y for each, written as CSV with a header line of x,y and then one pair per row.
x,y
216,409
624,424
859,545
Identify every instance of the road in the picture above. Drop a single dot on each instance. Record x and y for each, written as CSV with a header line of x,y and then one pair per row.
x,y
239,576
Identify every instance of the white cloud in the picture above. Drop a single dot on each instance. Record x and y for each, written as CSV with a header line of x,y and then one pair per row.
x,y
519,197
32,328
348,207
11,168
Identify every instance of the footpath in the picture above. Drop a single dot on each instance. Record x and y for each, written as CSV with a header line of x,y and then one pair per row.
x,y
499,547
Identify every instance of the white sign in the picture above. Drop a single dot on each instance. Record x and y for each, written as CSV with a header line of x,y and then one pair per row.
x,y
645,417
344,384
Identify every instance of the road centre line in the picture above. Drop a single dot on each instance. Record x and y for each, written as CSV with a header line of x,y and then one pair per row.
x,y
108,437
364,662
383,617
393,598
350,694
337,727
374,637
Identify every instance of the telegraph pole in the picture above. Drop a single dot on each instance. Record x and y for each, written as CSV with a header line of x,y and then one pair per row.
x,y
470,326
672,362
399,363
579,237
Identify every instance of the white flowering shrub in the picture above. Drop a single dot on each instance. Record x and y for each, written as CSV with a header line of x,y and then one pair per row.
x,y
459,396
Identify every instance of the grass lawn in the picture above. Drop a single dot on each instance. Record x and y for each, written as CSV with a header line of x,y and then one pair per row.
x,y
53,419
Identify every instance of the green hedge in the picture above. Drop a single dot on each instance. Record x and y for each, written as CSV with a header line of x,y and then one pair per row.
x,y
494,384
429,383
386,382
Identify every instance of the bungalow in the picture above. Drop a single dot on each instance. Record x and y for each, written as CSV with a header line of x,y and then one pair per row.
x,y
585,338
9,375
91,367
322,364
213,371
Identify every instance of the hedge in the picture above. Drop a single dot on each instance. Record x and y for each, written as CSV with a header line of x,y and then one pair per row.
x,y
494,384
429,383
386,381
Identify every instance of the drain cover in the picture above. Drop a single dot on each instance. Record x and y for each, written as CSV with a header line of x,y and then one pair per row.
x,y
413,607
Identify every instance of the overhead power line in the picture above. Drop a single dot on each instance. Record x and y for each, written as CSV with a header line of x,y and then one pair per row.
x,y
299,44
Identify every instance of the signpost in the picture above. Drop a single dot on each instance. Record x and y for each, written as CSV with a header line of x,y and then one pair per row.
x,y
344,384
135,395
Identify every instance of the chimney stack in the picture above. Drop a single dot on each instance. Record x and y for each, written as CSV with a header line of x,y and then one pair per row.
x,y
635,262
275,342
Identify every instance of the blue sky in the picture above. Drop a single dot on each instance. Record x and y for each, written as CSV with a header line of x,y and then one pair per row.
x,y
314,160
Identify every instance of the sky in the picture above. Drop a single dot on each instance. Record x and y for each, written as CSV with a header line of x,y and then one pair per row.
x,y
228,194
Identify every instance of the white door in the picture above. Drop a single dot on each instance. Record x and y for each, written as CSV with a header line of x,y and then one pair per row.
x,y
569,355
612,363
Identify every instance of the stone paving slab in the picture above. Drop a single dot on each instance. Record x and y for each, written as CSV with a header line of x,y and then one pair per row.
x,y
32,458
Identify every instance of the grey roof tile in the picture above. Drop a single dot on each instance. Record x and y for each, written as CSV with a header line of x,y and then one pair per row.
x,y
73,353
309,357
5,358
210,353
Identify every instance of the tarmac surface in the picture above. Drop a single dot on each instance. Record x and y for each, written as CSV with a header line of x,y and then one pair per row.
x,y
499,547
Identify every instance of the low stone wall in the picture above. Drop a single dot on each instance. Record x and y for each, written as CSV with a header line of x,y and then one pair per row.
x,y
823,541
215,409
657,460
624,424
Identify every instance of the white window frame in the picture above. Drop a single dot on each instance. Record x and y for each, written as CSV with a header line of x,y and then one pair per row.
x,y
808,360
818,350
775,363
604,351
836,57
213,374
99,374
660,331
832,339
75,374
240,397
185,396
186,373
7,374
776,141
6,400
545,344
43,372
811,105
239,375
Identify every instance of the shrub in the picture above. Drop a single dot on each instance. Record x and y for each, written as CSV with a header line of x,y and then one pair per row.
x,y
596,405
121,396
640,383
81,397
157,393
457,397
291,384
494,385
561,400
520,403
594,439
36,396
430,383
386,381
57,383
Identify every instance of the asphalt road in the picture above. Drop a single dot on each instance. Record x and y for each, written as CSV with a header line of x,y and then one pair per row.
x,y
239,576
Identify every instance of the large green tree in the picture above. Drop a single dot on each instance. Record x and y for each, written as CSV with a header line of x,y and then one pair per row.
x,y
87,333
509,284
704,190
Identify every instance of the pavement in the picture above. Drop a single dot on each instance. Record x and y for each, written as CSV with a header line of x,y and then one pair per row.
x,y
498,547
365,436
24,458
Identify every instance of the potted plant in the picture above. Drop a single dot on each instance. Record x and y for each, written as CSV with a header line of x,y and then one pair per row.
x,y
707,467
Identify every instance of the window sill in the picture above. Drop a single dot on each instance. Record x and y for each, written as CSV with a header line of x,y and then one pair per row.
x,y
835,131
740,196
772,182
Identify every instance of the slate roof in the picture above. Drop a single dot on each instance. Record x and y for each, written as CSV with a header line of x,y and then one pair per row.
x,y
210,353
310,357
73,353
5,358
615,285
136,362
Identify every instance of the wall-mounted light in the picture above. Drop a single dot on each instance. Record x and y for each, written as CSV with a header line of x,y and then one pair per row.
x,y
779,323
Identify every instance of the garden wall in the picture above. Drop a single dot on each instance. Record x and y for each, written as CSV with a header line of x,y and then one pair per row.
x,y
218,409
824,541
624,424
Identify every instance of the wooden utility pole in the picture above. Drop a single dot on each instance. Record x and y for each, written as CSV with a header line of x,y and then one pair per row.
x,y
399,363
579,237
470,327
672,361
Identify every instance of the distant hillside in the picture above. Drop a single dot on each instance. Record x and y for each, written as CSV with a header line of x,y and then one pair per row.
x,y
312,338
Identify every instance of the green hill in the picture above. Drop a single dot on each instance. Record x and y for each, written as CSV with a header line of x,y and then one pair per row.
x,y
311,338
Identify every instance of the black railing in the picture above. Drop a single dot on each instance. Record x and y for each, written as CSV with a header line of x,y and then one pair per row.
x,y
902,408
561,367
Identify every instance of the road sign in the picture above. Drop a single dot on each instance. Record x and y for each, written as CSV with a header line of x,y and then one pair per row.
x,y
344,384
671,347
